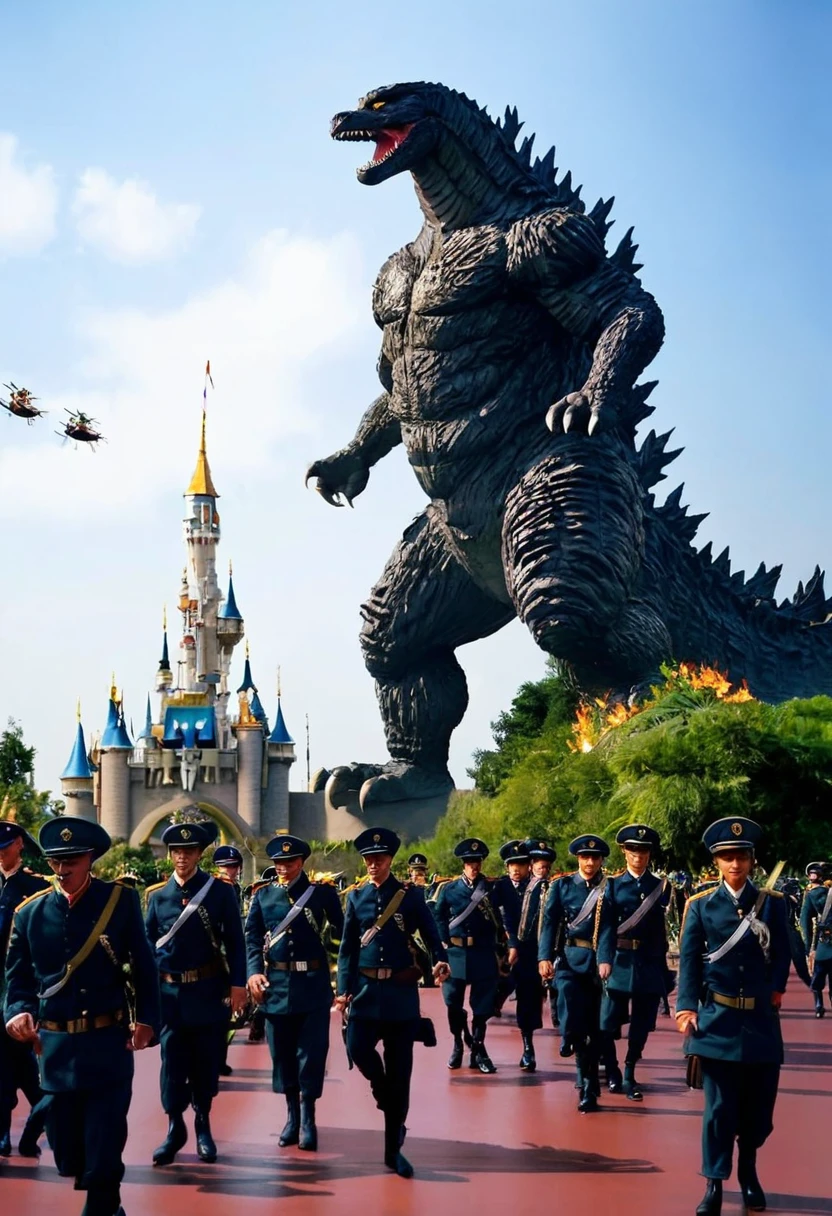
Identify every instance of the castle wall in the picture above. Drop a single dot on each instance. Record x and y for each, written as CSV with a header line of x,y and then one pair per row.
x,y
250,775
115,793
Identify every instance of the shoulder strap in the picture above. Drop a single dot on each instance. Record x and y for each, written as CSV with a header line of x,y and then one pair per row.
x,y
89,945
643,908
391,909
740,931
274,935
588,905
190,907
827,908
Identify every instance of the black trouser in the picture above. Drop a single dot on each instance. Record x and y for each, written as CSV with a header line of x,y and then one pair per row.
x,y
639,1009
529,989
822,977
18,1071
191,1060
299,1044
87,1132
481,996
389,1077
739,1105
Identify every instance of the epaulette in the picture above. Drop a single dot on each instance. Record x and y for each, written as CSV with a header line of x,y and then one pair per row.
x,y
155,887
258,886
699,894
617,873
35,895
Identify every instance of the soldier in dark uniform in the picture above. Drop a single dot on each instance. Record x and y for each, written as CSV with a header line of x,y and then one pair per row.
x,y
472,933
816,927
18,1066
733,966
637,901
228,862
377,984
288,977
417,869
194,923
506,896
574,921
67,997
512,894
543,858
257,1021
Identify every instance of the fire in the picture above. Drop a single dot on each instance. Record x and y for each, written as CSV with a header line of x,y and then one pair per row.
x,y
584,729
719,684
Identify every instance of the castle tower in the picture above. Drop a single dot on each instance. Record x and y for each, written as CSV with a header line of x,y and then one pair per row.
x,y
77,778
115,749
250,767
280,756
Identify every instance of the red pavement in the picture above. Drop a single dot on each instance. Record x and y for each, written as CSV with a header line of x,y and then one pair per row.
x,y
503,1144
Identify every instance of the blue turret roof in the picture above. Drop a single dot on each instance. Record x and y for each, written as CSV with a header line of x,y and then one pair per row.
x,y
147,733
229,610
248,682
115,732
164,662
78,766
280,734
258,712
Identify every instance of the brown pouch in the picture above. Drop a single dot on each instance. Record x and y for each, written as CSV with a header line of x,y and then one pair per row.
x,y
694,1072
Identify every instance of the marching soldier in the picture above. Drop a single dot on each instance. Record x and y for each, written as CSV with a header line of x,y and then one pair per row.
x,y
288,977
512,895
228,861
84,993
573,921
816,927
417,868
637,901
473,935
377,984
733,966
543,857
194,923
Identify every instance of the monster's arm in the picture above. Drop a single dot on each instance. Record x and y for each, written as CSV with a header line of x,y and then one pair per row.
x,y
347,472
559,257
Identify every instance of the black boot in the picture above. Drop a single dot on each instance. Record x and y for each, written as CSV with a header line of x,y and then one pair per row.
x,y
206,1149
631,1086
479,1056
6,1139
32,1132
103,1201
528,1061
308,1135
711,1204
819,1009
291,1128
394,1159
566,1048
753,1195
587,1102
588,1079
455,1058
176,1139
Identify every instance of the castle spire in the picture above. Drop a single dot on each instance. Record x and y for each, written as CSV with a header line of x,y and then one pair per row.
x,y
201,482
248,684
78,766
229,610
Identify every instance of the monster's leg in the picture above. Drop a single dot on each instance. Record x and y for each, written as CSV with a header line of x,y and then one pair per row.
x,y
573,548
422,608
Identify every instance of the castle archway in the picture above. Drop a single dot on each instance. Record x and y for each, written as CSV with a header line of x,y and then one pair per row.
x,y
233,829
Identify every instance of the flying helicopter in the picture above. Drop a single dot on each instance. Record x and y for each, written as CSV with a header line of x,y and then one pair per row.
x,y
81,428
20,403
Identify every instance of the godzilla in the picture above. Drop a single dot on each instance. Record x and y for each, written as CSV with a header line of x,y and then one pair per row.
x,y
512,343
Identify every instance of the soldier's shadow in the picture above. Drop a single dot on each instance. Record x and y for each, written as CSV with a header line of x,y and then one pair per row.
x,y
355,1153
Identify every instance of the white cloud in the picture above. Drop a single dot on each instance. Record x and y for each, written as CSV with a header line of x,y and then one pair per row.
x,y
141,377
28,202
127,222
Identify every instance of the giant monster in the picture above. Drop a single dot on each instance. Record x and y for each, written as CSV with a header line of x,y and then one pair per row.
x,y
512,345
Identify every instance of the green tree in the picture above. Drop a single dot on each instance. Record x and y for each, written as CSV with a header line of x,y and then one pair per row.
x,y
19,800
123,858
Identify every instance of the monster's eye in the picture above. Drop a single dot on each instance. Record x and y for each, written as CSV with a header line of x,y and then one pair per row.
x,y
377,105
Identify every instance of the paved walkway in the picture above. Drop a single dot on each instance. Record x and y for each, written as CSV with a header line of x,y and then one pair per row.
x,y
506,1144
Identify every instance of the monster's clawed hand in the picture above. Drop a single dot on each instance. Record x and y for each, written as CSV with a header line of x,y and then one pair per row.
x,y
581,413
340,476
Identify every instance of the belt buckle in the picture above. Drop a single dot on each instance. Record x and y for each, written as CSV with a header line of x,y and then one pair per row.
x,y
301,966
384,973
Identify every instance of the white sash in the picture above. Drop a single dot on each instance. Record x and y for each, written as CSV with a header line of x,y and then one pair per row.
x,y
476,899
642,910
274,935
739,933
189,909
588,906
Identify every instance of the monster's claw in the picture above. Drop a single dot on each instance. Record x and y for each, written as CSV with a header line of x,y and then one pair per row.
x,y
593,423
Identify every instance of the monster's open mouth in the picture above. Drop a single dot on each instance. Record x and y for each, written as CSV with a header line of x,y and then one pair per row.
x,y
388,141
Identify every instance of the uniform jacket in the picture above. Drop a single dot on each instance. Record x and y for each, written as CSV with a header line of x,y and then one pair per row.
x,y
46,934
749,1035
294,991
203,1001
564,902
13,891
645,968
384,999
480,960
816,938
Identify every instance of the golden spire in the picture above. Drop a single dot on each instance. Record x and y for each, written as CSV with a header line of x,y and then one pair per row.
x,y
201,482
78,711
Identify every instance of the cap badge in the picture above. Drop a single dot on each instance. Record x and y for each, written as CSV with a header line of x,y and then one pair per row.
x,y
66,834
474,847
590,844
286,847
736,828
641,832
185,833
541,844
376,838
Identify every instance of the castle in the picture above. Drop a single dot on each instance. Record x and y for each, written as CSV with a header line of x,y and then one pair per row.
x,y
202,747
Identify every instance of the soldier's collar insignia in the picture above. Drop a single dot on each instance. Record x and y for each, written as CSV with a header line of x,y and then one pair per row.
x,y
736,828
66,834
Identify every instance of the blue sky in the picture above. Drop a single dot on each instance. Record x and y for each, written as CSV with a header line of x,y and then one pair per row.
x,y
168,192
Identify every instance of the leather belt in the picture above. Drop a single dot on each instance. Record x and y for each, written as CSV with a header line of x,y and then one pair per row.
x,y
463,941
377,973
206,972
87,1022
312,965
627,943
734,1002
580,941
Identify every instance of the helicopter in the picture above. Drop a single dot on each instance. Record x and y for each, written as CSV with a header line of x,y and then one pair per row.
x,y
20,403
81,428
